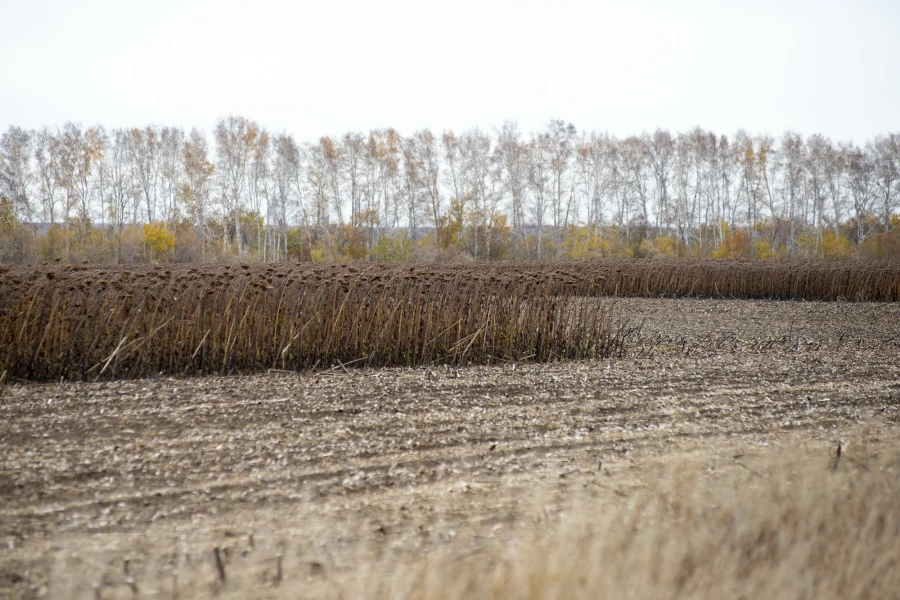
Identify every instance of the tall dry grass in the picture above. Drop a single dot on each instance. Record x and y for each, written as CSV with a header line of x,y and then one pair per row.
x,y
793,532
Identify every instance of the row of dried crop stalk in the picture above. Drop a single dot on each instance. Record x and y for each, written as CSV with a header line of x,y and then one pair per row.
x,y
817,280
111,323
851,280
81,322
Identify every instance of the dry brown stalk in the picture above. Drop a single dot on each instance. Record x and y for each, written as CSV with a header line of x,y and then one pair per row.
x,y
289,317
219,319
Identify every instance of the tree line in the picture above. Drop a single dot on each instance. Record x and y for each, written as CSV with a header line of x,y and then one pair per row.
x,y
163,194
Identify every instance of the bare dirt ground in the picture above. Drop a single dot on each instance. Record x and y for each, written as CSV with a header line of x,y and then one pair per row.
x,y
103,483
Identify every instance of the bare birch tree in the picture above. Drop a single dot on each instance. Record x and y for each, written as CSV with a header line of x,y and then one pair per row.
x,y
15,170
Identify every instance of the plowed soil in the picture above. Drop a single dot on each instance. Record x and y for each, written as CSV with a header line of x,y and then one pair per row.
x,y
102,483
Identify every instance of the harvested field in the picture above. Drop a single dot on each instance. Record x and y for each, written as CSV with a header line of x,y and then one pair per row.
x,y
703,463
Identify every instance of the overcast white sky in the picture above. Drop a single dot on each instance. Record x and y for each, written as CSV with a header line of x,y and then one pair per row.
x,y
317,68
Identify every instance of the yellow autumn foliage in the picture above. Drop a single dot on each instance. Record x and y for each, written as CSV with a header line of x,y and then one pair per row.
x,y
159,241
